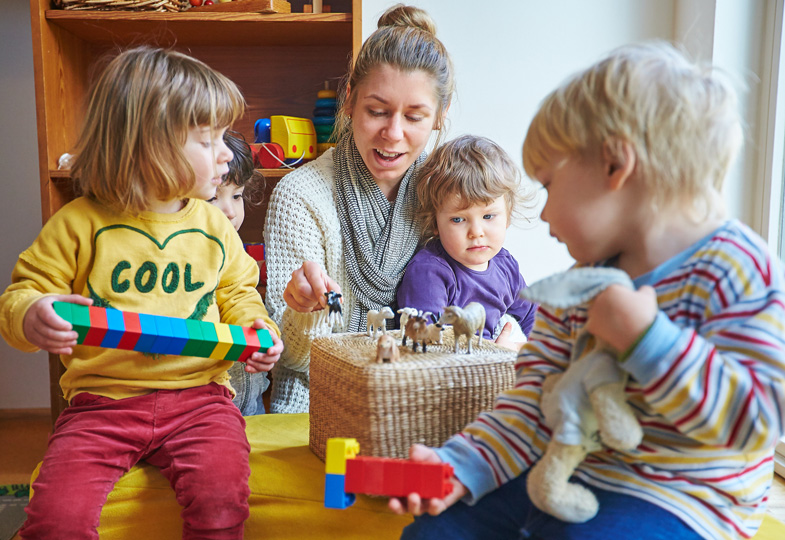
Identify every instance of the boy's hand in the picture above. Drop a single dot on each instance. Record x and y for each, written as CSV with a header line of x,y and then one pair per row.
x,y
503,339
260,361
46,329
619,315
413,504
305,291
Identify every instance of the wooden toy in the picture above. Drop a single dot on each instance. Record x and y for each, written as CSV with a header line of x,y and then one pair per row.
x,y
115,329
465,322
387,349
347,474
376,318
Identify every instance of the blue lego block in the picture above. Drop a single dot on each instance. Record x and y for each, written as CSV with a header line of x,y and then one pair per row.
x,y
334,494
164,335
179,335
149,333
115,328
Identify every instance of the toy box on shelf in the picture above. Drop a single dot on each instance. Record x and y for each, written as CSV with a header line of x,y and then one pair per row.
x,y
422,398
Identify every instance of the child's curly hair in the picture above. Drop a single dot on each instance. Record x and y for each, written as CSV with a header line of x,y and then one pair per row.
x,y
242,172
475,169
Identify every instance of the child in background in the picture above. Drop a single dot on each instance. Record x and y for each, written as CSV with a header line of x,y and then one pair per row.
x,y
241,184
468,192
633,153
143,239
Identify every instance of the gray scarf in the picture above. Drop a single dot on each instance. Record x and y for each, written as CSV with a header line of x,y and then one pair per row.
x,y
379,238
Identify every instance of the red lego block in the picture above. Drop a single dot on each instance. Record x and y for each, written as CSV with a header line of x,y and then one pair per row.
x,y
252,343
397,477
98,327
133,331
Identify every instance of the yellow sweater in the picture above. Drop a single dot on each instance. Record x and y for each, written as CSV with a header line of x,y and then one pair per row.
x,y
190,264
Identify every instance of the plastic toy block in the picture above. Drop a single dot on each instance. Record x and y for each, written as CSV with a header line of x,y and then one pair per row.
x,y
338,450
397,477
255,250
115,328
98,326
149,333
133,331
179,336
335,495
224,341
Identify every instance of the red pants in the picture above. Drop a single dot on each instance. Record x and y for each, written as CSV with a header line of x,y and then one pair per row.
x,y
195,436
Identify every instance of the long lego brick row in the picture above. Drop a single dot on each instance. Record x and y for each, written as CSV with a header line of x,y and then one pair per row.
x,y
397,477
115,329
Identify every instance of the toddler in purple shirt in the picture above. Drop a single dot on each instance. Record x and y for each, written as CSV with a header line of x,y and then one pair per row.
x,y
468,193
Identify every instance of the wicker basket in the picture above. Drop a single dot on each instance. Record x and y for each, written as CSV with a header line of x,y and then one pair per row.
x,y
425,398
124,5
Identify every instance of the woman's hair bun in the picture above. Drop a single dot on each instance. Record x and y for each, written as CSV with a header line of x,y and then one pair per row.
x,y
402,15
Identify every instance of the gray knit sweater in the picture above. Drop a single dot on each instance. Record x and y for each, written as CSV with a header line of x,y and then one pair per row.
x,y
302,225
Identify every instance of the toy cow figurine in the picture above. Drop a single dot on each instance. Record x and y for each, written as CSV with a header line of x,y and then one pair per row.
x,y
387,349
334,307
376,320
465,322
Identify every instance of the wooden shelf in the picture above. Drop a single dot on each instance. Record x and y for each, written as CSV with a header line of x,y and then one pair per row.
x,y
205,28
64,175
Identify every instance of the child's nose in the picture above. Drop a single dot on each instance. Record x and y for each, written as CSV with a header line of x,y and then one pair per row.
x,y
476,230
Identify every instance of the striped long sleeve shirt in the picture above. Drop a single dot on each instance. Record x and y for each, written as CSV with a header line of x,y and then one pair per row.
x,y
707,383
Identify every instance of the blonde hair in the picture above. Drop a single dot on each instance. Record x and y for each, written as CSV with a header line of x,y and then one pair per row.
x,y
681,120
476,170
406,40
140,109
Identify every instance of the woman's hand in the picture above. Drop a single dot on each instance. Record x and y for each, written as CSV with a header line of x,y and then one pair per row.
x,y
305,291
619,315
46,329
264,361
417,506
503,339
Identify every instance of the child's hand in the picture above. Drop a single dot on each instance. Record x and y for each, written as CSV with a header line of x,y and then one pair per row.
x,y
503,339
413,504
46,329
619,315
305,290
260,361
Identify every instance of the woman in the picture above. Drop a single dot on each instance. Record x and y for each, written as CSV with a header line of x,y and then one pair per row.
x,y
346,222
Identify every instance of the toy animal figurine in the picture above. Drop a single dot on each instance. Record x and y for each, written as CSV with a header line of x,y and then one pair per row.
x,y
465,322
387,349
434,334
416,330
376,320
405,313
334,307
586,399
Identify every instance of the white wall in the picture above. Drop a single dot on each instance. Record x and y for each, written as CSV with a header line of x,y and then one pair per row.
x,y
508,55
24,378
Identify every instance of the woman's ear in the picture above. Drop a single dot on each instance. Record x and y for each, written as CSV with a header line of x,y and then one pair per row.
x,y
439,124
619,161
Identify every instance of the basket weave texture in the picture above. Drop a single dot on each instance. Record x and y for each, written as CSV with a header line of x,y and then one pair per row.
x,y
124,5
424,398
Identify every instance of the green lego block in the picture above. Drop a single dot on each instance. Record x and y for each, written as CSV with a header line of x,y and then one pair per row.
x,y
210,338
80,319
239,343
265,340
196,345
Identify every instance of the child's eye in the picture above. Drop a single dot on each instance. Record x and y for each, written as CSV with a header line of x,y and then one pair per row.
x,y
212,200
237,196
457,219
489,216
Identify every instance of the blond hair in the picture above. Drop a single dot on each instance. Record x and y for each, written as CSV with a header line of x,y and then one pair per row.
x,y
476,170
406,40
681,120
140,109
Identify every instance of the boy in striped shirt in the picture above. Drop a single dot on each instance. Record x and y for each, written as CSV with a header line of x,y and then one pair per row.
x,y
633,152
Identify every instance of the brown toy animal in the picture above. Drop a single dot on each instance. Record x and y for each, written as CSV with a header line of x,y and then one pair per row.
x,y
387,349
417,330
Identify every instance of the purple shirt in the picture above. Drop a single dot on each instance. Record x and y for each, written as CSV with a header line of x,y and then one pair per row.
x,y
433,280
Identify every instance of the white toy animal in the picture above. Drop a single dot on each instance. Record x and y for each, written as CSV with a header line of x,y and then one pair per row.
x,y
376,320
434,334
583,405
387,349
465,322
405,313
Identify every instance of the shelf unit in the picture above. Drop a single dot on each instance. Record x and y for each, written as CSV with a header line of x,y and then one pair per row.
x,y
279,61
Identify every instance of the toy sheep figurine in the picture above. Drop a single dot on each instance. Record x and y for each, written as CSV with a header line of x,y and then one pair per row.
x,y
376,320
405,313
465,322
586,399
387,349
